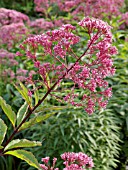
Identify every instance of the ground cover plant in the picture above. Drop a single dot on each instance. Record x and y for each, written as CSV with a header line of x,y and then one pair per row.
x,y
69,65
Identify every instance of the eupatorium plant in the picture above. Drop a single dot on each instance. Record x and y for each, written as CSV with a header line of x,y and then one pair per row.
x,y
8,17
56,60
77,8
87,71
12,33
72,161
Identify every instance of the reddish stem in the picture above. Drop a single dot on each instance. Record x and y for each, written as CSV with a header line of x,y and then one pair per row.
x,y
48,92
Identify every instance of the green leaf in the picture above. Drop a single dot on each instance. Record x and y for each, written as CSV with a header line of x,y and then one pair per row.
x,y
20,143
26,156
3,129
24,92
49,9
21,113
90,138
8,111
35,120
1,147
36,94
46,108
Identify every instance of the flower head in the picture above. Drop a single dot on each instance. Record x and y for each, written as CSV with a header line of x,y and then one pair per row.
x,y
86,72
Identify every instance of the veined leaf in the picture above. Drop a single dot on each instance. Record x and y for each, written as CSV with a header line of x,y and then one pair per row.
x,y
21,143
24,92
26,156
35,120
8,111
3,129
21,113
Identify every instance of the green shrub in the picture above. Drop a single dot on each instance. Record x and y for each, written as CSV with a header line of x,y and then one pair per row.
x,y
97,135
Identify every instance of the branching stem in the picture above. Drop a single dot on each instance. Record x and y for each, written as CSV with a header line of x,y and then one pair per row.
x,y
48,92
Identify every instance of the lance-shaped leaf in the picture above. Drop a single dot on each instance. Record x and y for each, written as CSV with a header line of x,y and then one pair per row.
x,y
51,108
26,156
3,129
36,94
35,120
21,143
22,113
24,93
8,111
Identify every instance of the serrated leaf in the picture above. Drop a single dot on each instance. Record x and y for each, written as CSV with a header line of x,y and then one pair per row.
x,y
35,120
26,156
20,143
21,113
8,111
3,129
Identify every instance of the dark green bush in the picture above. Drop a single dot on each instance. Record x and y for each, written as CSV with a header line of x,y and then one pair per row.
x,y
97,135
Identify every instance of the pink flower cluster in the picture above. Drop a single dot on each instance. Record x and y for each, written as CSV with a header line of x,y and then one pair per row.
x,y
86,72
63,36
96,8
6,55
8,16
11,34
75,161
100,8
43,5
46,165
7,60
91,74
39,25
12,27
124,18
72,161
78,8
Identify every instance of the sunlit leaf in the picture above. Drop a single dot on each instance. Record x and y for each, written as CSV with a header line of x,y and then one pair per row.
x,y
21,113
8,111
26,156
20,143
24,93
3,129
35,120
